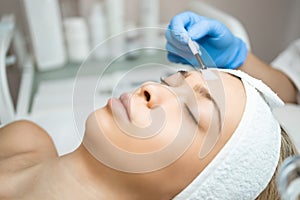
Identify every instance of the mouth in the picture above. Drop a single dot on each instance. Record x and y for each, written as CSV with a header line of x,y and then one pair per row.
x,y
120,106
125,100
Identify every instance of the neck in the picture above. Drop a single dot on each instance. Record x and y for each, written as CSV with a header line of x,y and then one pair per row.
x,y
107,182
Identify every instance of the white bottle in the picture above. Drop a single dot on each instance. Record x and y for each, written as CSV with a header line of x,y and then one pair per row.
x,y
46,33
115,23
132,41
98,31
151,19
77,38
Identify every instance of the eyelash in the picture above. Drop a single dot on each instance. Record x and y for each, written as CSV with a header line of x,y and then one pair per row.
x,y
162,80
191,114
186,107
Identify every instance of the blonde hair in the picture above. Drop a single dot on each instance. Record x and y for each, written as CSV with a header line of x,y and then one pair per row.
x,y
287,149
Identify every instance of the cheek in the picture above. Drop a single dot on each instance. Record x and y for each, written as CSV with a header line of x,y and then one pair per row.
x,y
140,114
101,125
206,112
173,123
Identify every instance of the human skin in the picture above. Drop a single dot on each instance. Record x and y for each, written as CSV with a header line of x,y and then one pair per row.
x,y
277,80
33,170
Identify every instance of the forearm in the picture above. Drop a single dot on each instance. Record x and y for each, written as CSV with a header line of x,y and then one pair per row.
x,y
274,78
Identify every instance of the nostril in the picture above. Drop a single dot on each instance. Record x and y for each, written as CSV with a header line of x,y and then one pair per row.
x,y
147,95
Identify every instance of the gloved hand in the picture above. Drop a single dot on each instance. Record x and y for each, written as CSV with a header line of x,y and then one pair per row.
x,y
226,50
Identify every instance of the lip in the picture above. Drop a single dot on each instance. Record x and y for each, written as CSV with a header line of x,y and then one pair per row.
x,y
120,106
125,100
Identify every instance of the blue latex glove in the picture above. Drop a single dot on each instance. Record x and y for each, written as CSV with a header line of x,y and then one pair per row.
x,y
226,50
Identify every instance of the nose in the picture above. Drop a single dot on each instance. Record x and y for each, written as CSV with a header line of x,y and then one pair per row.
x,y
151,93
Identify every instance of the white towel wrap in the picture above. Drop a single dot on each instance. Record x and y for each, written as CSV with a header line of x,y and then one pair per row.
x,y
247,162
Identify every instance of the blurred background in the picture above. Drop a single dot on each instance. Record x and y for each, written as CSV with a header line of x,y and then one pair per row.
x,y
271,24
44,43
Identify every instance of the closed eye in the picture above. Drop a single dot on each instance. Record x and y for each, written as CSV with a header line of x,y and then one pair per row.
x,y
191,114
162,80
200,90
186,107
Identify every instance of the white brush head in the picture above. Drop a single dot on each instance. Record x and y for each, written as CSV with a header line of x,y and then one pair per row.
x,y
193,46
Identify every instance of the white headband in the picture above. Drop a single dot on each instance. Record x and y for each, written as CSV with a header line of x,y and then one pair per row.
x,y
247,162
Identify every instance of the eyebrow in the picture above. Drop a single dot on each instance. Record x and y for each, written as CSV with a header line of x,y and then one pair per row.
x,y
185,74
205,93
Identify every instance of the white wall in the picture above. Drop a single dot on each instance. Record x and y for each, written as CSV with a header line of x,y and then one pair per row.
x,y
271,24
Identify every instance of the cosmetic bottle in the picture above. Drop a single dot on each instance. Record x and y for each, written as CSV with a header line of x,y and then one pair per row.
x,y
132,41
98,31
150,12
45,28
77,38
115,25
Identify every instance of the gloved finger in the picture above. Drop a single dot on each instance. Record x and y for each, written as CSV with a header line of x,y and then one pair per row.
x,y
175,37
177,47
188,61
182,51
177,59
207,27
180,23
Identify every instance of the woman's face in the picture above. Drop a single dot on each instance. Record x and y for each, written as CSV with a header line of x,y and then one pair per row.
x,y
164,126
